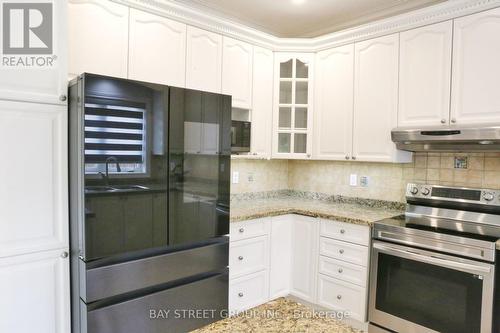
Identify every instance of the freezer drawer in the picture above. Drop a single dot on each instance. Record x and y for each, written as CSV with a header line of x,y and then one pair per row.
x,y
163,311
107,281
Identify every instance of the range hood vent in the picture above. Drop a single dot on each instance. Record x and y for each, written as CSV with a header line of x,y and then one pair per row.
x,y
448,139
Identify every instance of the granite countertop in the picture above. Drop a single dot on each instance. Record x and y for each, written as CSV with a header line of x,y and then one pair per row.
x,y
281,315
356,211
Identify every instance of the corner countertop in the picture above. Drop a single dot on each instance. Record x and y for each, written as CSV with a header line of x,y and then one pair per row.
x,y
350,210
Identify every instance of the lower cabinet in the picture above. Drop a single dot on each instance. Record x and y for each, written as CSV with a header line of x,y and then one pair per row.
x,y
35,293
323,262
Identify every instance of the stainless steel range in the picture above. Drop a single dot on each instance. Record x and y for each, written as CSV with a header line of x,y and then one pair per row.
x,y
435,268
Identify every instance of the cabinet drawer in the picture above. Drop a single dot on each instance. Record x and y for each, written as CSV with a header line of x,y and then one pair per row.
x,y
248,256
342,296
343,270
249,229
346,232
355,254
248,291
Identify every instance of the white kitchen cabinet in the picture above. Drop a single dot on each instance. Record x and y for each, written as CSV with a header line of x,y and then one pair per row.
x,y
376,100
333,107
293,105
157,49
249,229
424,75
476,50
38,285
98,37
262,102
45,84
305,235
280,256
248,291
237,63
203,60
248,256
33,178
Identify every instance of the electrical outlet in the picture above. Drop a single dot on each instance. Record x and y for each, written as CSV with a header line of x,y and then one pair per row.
x,y
353,180
250,177
236,177
364,181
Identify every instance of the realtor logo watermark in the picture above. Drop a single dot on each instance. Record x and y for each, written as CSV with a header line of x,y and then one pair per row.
x,y
27,34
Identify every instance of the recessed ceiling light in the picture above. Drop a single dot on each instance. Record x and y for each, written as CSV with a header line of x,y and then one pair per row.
x,y
298,2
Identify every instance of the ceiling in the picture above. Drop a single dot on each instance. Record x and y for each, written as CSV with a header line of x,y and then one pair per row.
x,y
305,18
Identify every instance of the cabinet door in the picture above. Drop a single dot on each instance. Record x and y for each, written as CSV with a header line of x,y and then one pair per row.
x,y
203,60
98,37
44,84
424,75
157,49
305,234
376,100
262,105
334,103
237,72
280,258
33,178
476,69
39,284
293,93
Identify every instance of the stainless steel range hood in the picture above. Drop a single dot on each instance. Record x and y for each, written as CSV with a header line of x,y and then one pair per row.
x,y
475,138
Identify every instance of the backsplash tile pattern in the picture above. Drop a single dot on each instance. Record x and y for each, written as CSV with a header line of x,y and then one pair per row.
x,y
385,181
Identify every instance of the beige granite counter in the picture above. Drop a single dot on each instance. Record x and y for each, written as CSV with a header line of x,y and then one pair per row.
x,y
280,316
351,212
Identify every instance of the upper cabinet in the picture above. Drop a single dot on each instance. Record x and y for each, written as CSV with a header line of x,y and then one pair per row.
x,y
237,72
333,107
424,75
293,92
376,100
203,60
36,76
98,40
476,69
262,102
157,49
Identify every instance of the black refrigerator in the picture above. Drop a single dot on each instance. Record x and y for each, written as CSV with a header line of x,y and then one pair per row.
x,y
149,206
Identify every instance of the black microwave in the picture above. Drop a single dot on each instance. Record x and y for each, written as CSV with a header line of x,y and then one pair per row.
x,y
240,136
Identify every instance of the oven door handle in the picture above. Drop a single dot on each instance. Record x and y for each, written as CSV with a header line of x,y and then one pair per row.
x,y
434,260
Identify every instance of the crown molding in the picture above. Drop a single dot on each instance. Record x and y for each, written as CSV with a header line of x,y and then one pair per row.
x,y
420,17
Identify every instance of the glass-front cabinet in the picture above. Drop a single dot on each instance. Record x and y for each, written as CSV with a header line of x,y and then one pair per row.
x,y
292,119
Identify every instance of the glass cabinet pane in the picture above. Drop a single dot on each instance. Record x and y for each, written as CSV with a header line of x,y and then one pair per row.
x,y
284,142
302,70
300,143
300,117
286,69
285,117
301,92
286,92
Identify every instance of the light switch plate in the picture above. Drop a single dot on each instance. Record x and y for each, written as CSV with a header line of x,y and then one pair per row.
x,y
364,181
353,180
236,177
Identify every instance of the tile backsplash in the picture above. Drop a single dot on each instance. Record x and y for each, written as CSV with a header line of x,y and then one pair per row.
x,y
385,181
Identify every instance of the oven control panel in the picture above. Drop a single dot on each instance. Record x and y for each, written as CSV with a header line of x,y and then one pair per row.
x,y
455,194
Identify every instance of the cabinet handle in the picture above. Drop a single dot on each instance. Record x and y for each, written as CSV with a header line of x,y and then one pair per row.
x,y
241,230
347,157
354,157
342,231
339,297
240,294
308,155
64,255
63,98
240,258
453,120
341,251
341,270
443,121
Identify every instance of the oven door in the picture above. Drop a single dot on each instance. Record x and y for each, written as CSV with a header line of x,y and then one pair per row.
x,y
418,291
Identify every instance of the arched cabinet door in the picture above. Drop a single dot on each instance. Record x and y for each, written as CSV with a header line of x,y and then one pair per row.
x,y
334,103
98,40
157,49
293,105
203,60
476,69
237,72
